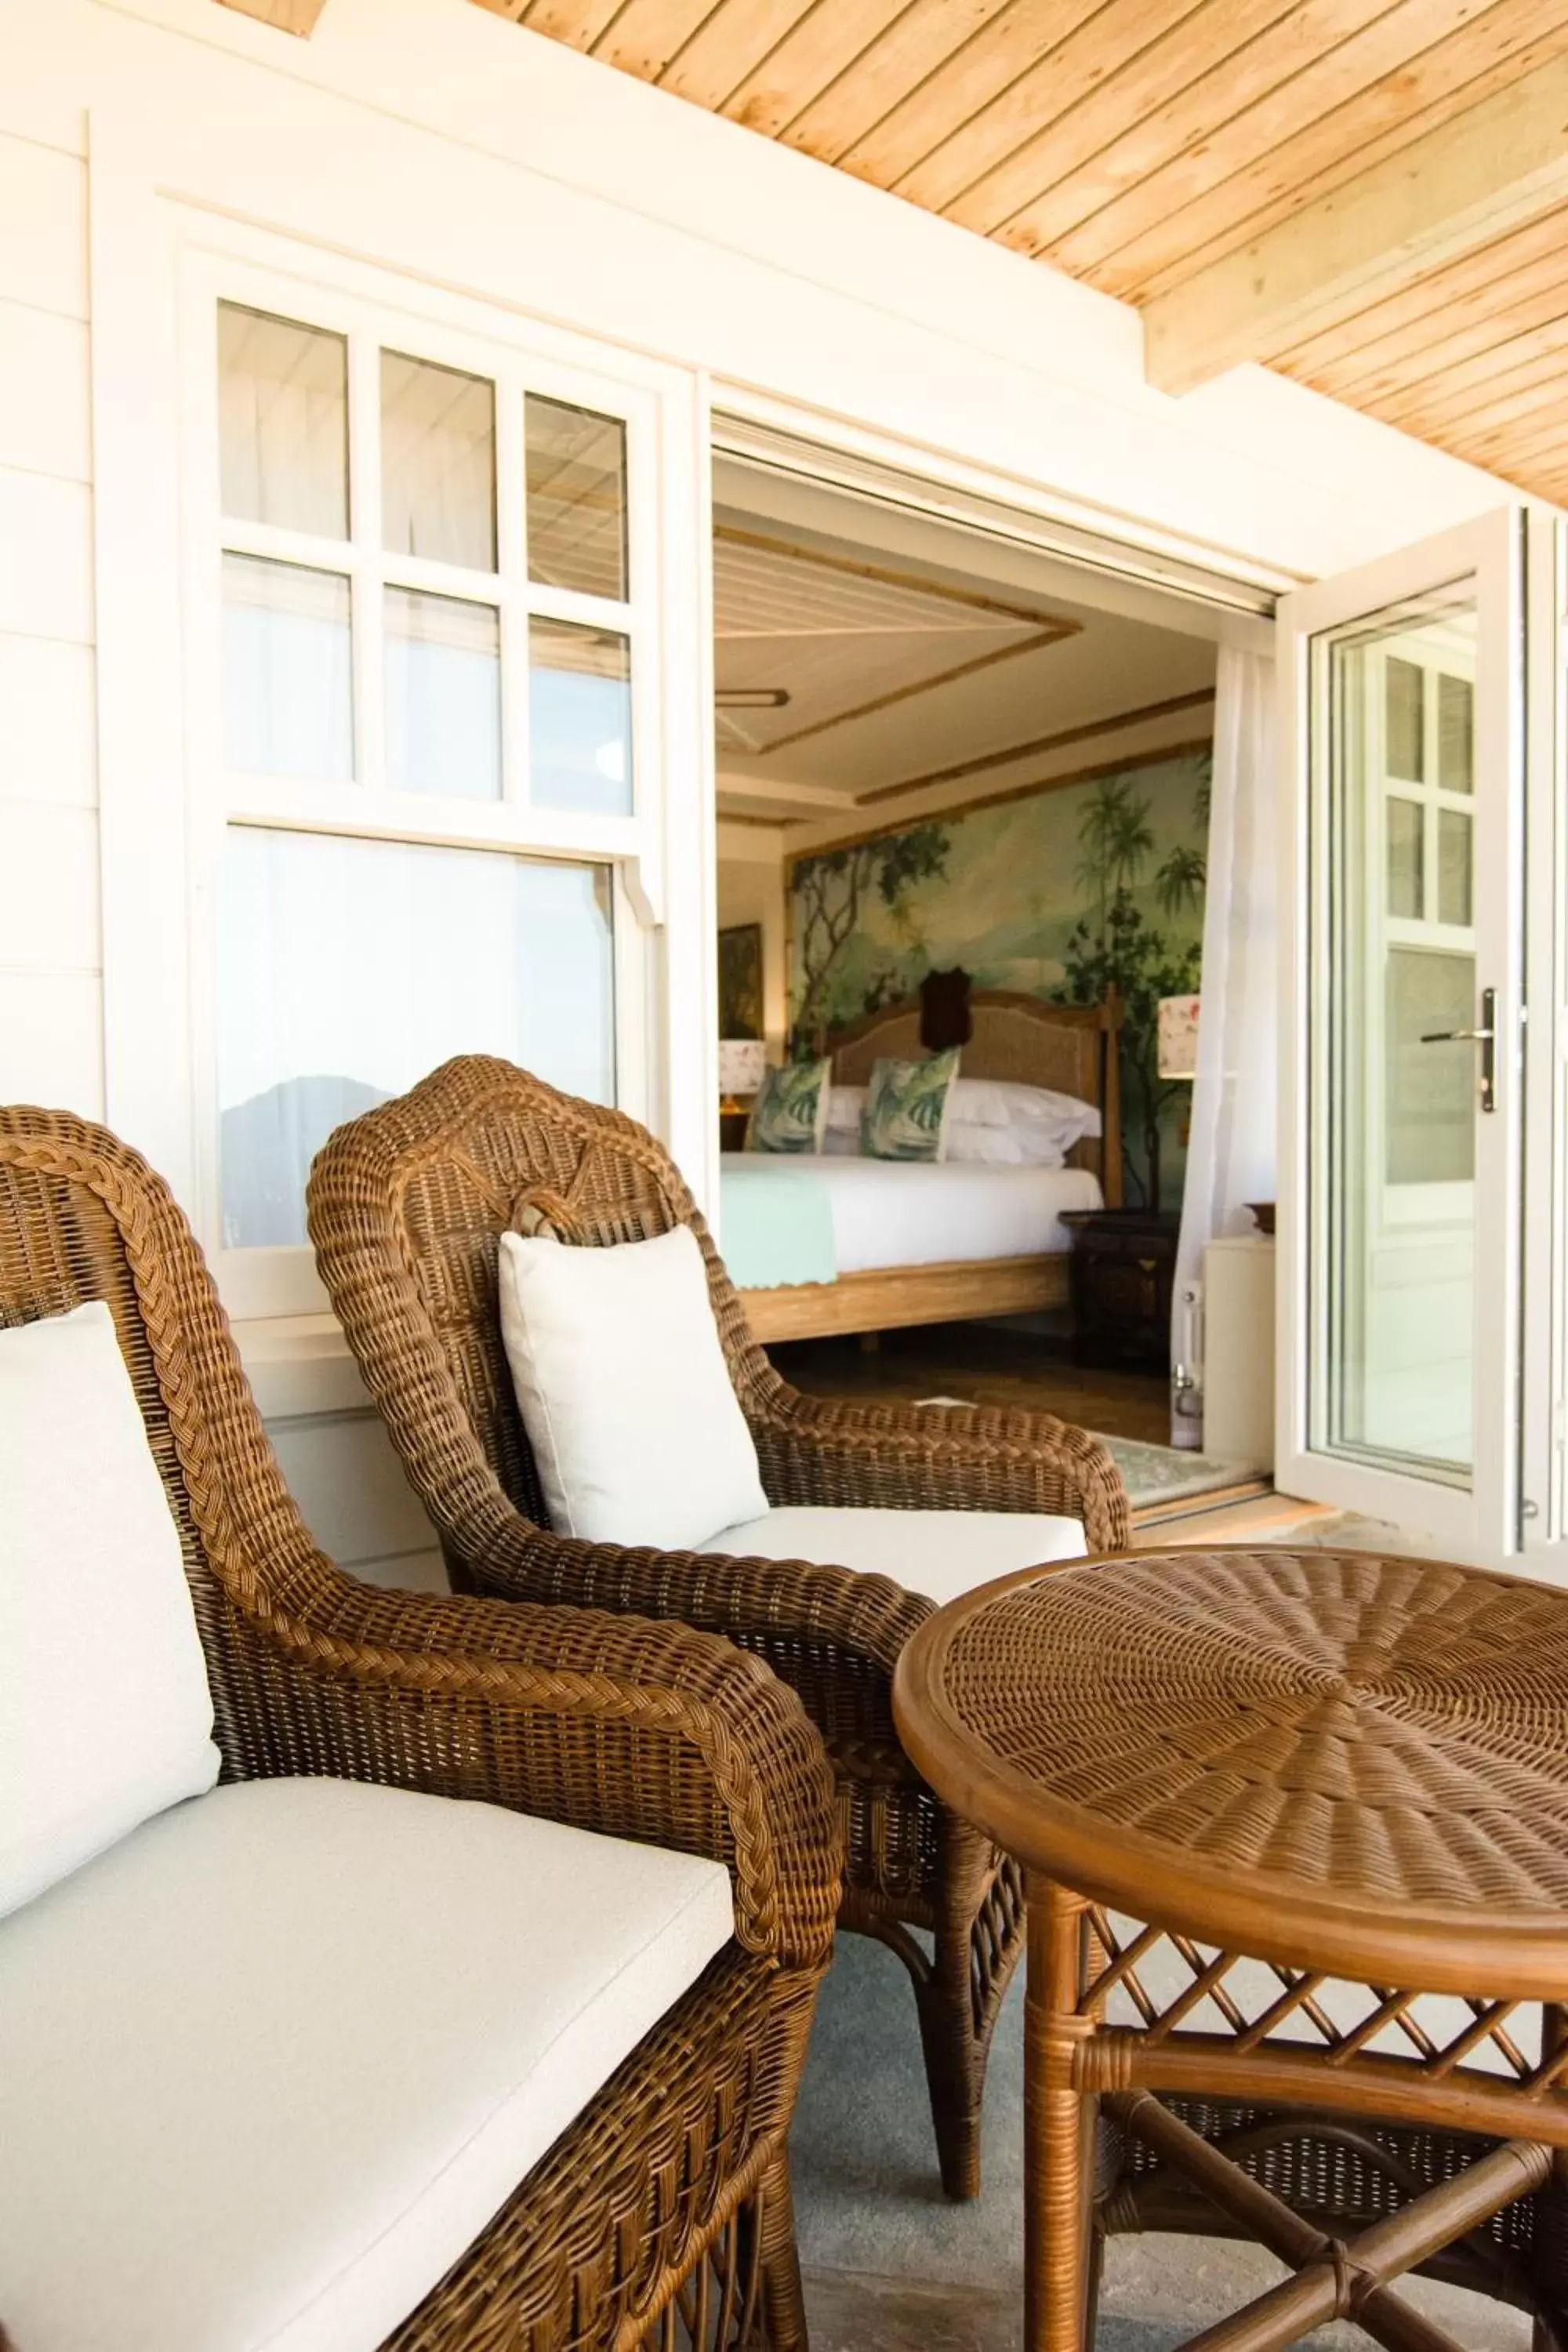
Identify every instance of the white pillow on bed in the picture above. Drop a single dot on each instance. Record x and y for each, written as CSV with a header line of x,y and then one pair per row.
x,y
1002,1102
1030,1145
624,1390
1045,1123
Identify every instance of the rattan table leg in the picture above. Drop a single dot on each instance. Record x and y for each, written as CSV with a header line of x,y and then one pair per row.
x,y
1057,2145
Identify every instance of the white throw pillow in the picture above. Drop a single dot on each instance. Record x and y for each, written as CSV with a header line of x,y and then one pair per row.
x,y
105,1714
624,1390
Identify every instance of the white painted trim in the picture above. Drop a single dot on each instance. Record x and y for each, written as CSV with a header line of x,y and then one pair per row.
x,y
1544,1335
795,438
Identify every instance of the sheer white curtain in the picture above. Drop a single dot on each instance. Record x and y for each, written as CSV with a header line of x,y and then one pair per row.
x,y
1231,1155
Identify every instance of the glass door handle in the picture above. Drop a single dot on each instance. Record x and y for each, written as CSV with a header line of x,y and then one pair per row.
x,y
1485,1036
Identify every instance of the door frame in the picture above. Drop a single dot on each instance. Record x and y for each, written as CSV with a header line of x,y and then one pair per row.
x,y
1544,1505
1482,1520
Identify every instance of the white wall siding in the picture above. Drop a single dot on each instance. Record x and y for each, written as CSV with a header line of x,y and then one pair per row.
x,y
51,1023
45,390
51,1039
49,750
43,203
347,1481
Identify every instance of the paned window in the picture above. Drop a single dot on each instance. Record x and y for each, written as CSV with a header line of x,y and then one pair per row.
x,y
426,718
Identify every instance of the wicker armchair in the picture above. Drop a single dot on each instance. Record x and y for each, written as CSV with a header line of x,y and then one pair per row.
x,y
406,1208
668,2197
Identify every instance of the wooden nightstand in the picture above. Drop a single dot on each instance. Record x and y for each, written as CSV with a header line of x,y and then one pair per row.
x,y
732,1125
1123,1268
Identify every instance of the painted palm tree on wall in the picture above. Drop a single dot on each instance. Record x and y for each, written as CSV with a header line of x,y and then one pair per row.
x,y
1115,947
832,890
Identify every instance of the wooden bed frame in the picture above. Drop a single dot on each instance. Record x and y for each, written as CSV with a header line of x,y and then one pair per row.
x,y
1070,1048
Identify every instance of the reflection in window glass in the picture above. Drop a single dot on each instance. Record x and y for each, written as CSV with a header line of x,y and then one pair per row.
x,y
1404,746
1431,1089
348,969
576,497
283,423
443,696
437,463
287,693
1405,880
1456,734
1454,866
579,718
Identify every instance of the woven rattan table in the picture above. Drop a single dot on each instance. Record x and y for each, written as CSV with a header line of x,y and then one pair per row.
x,y
1331,1786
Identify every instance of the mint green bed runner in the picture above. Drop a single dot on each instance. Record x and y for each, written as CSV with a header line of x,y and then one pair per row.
x,y
777,1224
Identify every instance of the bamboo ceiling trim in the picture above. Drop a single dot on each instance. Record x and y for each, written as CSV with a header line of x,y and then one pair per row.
x,y
1135,143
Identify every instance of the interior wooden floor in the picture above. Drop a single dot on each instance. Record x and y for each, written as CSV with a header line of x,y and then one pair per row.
x,y
981,1363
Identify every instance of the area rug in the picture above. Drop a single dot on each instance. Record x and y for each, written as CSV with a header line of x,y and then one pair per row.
x,y
1154,1476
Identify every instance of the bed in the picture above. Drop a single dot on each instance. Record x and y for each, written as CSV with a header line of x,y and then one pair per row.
x,y
931,1245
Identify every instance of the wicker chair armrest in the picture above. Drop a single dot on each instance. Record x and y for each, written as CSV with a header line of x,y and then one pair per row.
x,y
938,1457
752,1602
613,1723
833,1633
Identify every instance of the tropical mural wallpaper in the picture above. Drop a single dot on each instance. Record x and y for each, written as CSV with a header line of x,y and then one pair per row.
x,y
1063,893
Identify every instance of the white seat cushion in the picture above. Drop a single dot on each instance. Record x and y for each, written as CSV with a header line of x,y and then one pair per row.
x,y
105,1715
624,1390
272,2062
938,1553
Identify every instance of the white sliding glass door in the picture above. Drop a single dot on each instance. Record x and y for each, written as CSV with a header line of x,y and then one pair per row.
x,y
1405,687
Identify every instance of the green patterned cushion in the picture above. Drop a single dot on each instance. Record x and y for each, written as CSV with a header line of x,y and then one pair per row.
x,y
790,1113
905,1115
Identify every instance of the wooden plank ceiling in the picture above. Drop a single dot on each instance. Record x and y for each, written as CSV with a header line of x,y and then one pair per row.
x,y
1137,144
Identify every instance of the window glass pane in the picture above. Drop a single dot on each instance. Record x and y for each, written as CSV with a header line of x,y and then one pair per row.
x,y
1454,856
579,718
1405,821
1456,734
287,699
283,422
1430,1091
1403,726
443,696
437,463
576,497
349,969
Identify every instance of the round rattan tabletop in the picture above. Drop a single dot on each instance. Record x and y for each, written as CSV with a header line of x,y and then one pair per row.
x,y
1341,1760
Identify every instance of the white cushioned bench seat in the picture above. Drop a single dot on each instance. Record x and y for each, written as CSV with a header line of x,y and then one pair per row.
x,y
271,2063
938,1553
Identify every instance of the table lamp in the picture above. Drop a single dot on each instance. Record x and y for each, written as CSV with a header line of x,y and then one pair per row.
x,y
741,1061
1178,1036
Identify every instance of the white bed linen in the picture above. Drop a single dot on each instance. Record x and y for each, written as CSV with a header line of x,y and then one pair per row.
x,y
900,1212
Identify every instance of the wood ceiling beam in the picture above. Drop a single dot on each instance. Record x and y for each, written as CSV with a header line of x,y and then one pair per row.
x,y
1468,182
288,15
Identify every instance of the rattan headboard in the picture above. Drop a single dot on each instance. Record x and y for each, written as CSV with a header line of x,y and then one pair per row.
x,y
1068,1047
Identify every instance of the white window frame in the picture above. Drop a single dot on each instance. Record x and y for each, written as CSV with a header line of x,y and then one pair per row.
x,y
258,1282
161,266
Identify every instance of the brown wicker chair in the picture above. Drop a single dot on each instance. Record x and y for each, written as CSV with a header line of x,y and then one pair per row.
x,y
669,2199
406,1205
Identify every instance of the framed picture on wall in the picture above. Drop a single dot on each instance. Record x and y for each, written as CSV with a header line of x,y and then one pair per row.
x,y
740,980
